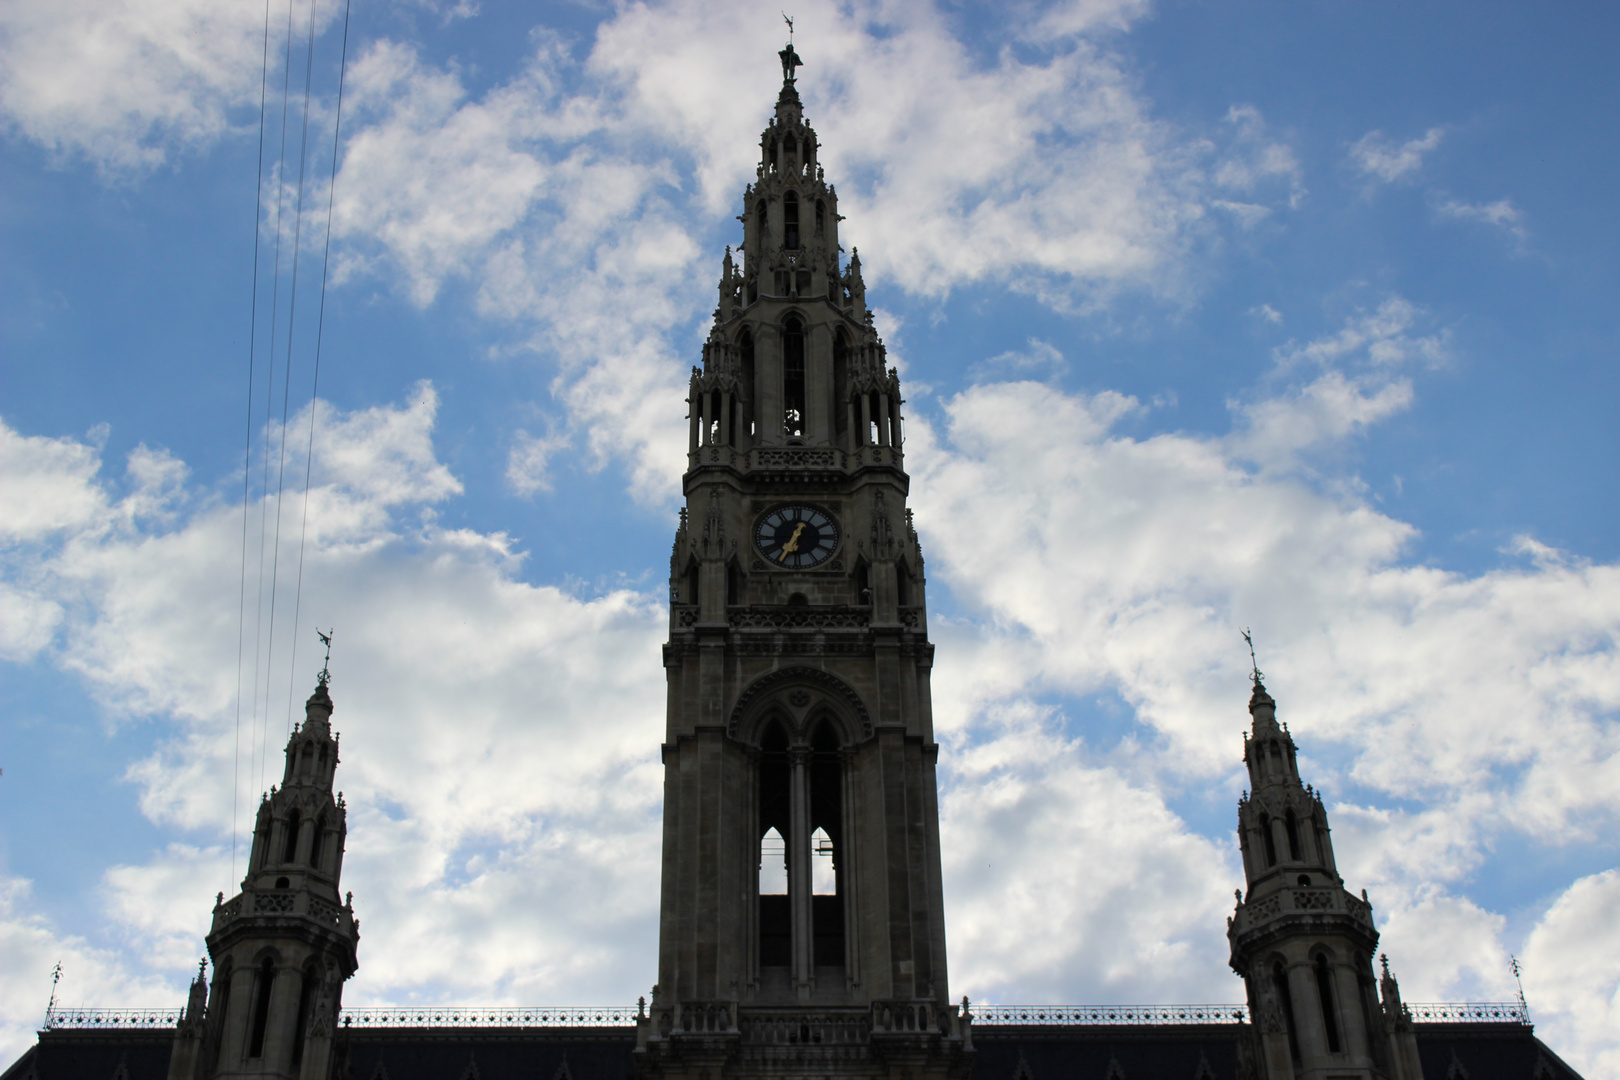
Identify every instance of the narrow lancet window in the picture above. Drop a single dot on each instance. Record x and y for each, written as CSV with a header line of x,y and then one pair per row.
x,y
775,814
1330,1015
1271,842
261,1008
290,848
773,880
793,379
823,877
790,221
1291,827
1279,983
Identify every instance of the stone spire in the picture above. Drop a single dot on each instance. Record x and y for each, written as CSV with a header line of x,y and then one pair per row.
x,y
1301,942
285,944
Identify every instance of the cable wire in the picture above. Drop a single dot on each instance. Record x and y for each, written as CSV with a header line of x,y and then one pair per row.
x,y
320,327
247,450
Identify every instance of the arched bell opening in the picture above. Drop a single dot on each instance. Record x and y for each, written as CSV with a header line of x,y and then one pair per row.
x,y
745,391
793,381
775,915
826,825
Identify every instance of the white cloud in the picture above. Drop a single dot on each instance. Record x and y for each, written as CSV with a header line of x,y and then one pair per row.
x,y
1376,155
1041,358
1458,709
528,462
1501,214
540,868
1572,974
1068,882
125,83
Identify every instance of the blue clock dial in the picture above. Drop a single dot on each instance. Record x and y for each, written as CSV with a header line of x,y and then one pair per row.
x,y
796,537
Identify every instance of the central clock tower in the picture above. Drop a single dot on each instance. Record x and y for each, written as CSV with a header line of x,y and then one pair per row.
x,y
802,926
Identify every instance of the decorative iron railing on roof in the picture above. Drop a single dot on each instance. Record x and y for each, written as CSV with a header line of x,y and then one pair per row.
x,y
123,1019
495,1016
1108,1014
1471,1012
1490,1012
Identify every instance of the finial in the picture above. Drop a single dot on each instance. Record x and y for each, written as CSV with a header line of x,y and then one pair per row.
x,y
1383,959
1254,665
201,967
326,665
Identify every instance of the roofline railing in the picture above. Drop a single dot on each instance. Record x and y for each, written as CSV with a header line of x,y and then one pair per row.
x,y
1480,1012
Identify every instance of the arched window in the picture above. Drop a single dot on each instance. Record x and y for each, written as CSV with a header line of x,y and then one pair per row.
x,y
902,581
289,849
1324,990
790,221
821,217
317,842
773,878
793,379
823,874
263,843
841,381
306,998
863,583
1285,1001
772,153
827,822
790,146
809,149
1291,827
775,813
263,983
745,352
1271,842
761,220
734,583
691,590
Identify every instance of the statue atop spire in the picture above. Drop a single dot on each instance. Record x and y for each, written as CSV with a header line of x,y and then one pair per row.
x,y
790,58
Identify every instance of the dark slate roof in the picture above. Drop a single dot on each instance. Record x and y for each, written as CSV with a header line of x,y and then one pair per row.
x,y
1098,1051
1471,1051
1487,1052
489,1054
95,1055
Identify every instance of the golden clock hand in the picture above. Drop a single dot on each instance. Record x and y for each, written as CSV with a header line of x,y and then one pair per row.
x,y
793,543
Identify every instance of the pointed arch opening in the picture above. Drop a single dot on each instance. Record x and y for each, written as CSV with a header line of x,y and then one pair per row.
x,y
793,378
1291,827
827,836
790,221
844,413
745,403
1285,1001
306,998
775,813
762,220
821,217
290,846
1270,841
317,845
263,983
1324,991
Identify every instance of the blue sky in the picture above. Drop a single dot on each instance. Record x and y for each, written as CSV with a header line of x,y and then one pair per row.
x,y
1289,316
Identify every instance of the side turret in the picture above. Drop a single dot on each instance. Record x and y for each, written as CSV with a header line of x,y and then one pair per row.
x,y
283,947
1302,943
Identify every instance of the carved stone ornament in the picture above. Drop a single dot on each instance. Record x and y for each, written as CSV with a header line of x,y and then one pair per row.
x,y
830,684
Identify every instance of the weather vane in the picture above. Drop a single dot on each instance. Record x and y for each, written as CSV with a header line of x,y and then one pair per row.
x,y
326,639
1253,663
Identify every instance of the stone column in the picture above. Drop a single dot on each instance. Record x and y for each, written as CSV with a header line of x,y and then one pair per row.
x,y
799,884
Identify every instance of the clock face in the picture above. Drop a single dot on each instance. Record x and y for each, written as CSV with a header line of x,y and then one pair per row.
x,y
796,537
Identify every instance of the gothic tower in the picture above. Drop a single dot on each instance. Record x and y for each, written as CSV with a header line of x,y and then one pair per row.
x,y
285,944
1302,943
801,896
